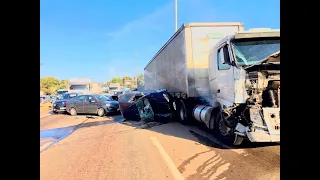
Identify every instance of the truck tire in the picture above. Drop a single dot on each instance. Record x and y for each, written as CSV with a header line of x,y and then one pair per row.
x,y
181,112
213,117
224,133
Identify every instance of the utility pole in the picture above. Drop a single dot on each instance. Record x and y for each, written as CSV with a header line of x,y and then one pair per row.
x,y
137,68
176,15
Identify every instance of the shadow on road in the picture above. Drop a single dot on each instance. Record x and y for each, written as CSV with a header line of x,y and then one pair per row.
x,y
196,132
216,163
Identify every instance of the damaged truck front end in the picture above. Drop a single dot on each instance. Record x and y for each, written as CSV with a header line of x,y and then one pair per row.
x,y
255,113
258,117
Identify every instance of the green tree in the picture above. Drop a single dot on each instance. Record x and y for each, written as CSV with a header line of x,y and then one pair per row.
x,y
116,80
64,84
127,78
49,84
141,79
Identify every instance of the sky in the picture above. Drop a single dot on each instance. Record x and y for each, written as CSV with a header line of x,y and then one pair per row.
x,y
101,39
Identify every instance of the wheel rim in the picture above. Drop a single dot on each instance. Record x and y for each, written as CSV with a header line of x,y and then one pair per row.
x,y
182,114
100,112
73,111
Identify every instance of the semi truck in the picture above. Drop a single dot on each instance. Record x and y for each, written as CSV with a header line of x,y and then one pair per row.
x,y
224,77
83,86
114,87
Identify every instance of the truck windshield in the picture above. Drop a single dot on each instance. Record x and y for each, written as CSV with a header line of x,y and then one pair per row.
x,y
79,87
248,52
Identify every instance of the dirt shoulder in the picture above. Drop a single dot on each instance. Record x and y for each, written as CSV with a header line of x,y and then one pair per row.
x,y
45,107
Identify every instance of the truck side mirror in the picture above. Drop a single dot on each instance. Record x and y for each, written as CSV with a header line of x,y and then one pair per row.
x,y
226,57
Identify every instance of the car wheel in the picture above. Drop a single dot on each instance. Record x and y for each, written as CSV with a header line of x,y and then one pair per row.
x,y
73,112
55,112
101,112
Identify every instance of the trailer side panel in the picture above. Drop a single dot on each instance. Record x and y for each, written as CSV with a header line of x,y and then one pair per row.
x,y
168,69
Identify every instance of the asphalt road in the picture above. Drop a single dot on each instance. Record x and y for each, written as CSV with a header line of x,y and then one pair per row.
x,y
106,148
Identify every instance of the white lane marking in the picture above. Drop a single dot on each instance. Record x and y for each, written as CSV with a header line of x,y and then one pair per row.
x,y
45,145
172,167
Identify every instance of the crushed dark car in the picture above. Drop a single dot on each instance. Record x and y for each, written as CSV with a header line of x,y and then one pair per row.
x,y
123,91
146,106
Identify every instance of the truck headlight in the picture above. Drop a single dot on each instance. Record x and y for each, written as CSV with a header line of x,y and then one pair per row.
x,y
108,105
255,116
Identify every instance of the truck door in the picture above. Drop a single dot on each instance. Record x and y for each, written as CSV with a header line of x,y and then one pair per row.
x,y
223,80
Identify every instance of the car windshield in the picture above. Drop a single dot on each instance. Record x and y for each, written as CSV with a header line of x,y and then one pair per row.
x,y
254,51
67,96
102,98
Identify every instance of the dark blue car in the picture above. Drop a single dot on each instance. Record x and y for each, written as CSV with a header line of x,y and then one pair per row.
x,y
92,104
60,104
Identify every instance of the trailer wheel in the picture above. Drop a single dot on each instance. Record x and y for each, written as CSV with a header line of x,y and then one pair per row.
x,y
181,112
225,133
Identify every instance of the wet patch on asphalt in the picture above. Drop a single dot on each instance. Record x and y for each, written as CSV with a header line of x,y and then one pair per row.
x,y
59,134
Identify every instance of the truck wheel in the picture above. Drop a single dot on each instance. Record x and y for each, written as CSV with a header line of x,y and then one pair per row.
x,y
213,118
181,112
225,133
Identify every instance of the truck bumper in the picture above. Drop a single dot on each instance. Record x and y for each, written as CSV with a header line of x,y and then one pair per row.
x,y
271,117
257,134
262,136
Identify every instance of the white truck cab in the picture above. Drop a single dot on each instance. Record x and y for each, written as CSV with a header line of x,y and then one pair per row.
x,y
244,78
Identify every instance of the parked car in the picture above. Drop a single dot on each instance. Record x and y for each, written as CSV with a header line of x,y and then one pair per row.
x,y
44,99
92,104
59,105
